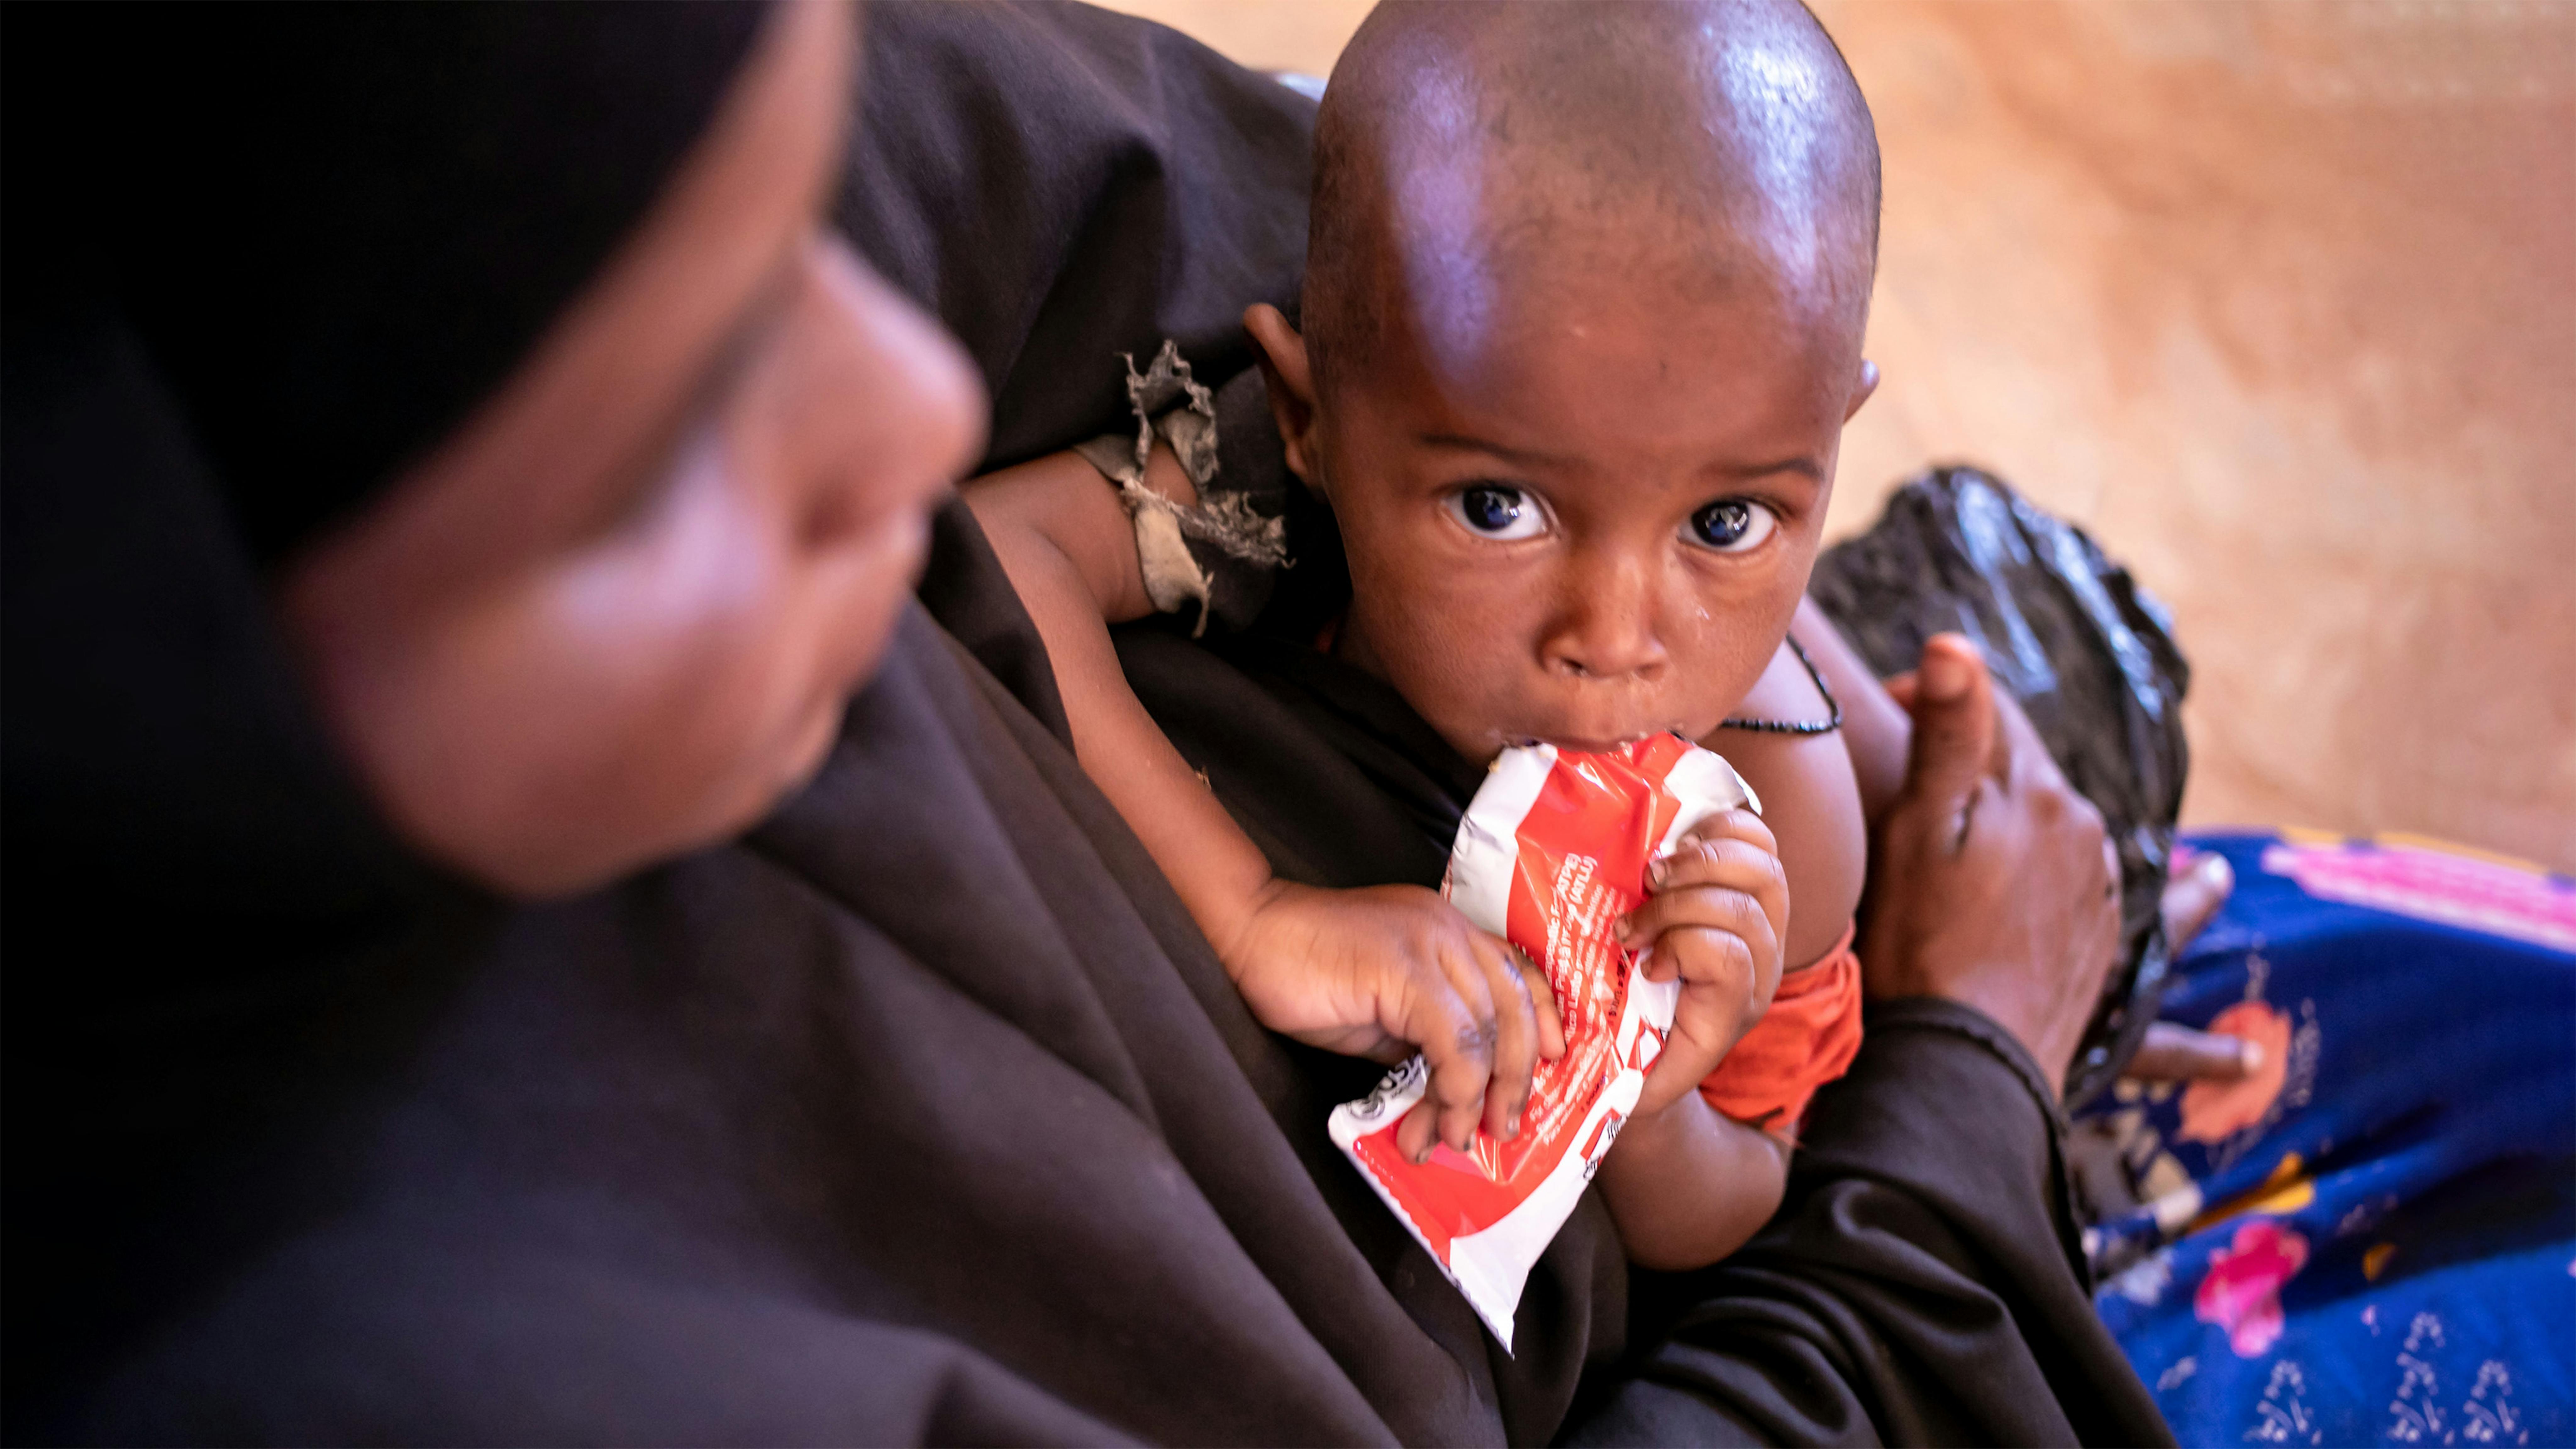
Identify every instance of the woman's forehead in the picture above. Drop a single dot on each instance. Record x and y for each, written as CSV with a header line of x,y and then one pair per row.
x,y
592,415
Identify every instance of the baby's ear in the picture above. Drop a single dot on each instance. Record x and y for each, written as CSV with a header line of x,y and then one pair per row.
x,y
1861,390
1286,367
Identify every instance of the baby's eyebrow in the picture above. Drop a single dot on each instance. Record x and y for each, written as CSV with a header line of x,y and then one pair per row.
x,y
1532,458
1521,457
1804,466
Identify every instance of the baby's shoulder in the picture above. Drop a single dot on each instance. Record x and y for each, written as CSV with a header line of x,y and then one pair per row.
x,y
1810,799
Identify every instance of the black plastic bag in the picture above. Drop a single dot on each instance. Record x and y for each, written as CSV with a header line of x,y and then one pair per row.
x,y
2090,656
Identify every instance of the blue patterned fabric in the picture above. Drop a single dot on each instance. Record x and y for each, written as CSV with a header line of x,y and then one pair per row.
x,y
2373,1239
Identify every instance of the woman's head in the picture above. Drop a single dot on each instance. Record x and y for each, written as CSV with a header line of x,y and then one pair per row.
x,y
585,471
616,614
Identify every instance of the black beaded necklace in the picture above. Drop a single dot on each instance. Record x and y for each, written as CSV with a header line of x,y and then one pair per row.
x,y
1796,727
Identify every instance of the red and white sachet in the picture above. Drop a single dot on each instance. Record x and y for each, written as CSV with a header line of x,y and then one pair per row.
x,y
1552,852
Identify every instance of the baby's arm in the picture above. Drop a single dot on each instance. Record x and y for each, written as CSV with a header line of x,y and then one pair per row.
x,y
1371,972
1689,1185
1686,1184
1066,542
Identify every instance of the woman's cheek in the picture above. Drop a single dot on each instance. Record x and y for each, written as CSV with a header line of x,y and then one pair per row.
x,y
789,665
663,639
875,578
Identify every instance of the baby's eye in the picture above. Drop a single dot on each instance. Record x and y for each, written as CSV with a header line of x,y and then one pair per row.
x,y
1732,526
1494,510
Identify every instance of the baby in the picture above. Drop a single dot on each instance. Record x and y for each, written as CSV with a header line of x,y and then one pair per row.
x,y
1582,324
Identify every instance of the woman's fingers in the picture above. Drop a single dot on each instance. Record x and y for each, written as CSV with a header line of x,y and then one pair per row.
x,y
2173,1052
2194,895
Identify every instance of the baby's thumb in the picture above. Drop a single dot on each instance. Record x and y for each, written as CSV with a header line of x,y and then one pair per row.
x,y
1954,725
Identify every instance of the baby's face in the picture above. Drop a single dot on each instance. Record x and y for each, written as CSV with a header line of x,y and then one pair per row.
x,y
1589,515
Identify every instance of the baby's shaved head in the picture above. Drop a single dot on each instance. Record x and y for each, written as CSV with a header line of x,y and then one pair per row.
x,y
1692,144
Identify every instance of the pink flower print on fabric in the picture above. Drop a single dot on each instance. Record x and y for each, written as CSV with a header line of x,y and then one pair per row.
x,y
2214,1111
2242,1290
2500,898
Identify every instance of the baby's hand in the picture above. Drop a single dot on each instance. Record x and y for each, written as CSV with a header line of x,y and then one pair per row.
x,y
1716,912
1383,971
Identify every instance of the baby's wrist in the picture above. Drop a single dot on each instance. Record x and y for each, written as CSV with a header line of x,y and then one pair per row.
x,y
1241,934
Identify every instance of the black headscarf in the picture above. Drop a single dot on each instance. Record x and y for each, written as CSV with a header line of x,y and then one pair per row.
x,y
337,227
255,260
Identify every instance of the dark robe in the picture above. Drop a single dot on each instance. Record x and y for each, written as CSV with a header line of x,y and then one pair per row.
x,y
923,1113
1341,784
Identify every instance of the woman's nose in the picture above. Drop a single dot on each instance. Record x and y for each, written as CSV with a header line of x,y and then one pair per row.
x,y
1605,622
909,407
934,386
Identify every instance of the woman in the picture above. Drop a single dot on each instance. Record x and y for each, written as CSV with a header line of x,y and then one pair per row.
x,y
449,468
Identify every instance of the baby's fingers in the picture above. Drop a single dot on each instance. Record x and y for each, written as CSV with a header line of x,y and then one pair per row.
x,y
1734,850
1516,1037
1551,1025
1457,1034
1701,911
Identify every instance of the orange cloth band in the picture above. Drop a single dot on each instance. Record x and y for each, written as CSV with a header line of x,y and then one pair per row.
x,y
1807,1038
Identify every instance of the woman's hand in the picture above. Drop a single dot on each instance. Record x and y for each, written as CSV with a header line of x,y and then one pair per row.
x,y
1716,913
2173,1052
1992,883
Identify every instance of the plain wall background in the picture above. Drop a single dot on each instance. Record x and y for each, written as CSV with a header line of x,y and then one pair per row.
x,y
2278,298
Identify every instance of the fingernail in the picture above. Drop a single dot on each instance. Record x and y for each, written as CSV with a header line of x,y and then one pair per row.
x,y
1657,869
1944,675
1620,928
2250,1056
2214,869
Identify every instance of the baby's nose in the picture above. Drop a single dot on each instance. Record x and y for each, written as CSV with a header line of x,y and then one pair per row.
x,y
1606,631
1641,662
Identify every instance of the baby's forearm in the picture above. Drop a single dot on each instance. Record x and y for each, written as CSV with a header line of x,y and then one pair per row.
x,y
1688,1185
1062,536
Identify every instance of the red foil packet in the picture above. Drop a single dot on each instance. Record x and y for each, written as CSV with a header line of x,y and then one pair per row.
x,y
1551,853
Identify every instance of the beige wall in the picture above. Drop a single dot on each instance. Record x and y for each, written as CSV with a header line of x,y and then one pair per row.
x,y
2279,298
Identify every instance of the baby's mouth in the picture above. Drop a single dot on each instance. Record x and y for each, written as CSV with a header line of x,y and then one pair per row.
x,y
1592,744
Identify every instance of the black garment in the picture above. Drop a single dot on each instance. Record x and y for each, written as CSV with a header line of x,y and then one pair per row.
x,y
209,940
252,258
1921,1284
273,192
1060,184
1923,1281
922,1113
